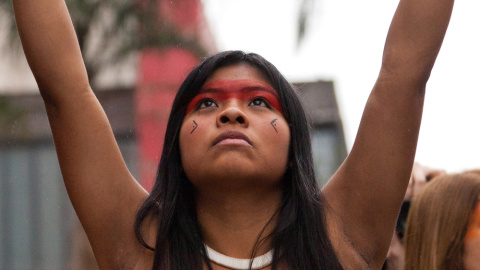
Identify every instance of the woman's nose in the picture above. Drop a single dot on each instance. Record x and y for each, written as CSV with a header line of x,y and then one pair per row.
x,y
232,115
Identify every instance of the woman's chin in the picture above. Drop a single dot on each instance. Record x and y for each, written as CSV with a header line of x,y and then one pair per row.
x,y
233,176
235,171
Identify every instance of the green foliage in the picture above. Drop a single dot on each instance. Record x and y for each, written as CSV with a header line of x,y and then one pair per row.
x,y
108,31
306,7
6,13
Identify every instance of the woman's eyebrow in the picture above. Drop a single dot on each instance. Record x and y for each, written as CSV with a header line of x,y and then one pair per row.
x,y
252,88
260,88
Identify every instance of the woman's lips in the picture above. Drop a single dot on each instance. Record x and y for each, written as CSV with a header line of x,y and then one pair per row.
x,y
232,138
233,142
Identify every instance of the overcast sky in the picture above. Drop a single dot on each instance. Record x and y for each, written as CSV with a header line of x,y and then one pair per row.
x,y
345,44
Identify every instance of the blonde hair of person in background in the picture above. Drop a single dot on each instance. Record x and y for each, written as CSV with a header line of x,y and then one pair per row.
x,y
438,221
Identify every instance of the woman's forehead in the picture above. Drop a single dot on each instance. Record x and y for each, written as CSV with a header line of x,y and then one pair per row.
x,y
240,71
236,86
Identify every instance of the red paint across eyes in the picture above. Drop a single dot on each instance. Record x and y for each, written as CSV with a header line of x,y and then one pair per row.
x,y
245,90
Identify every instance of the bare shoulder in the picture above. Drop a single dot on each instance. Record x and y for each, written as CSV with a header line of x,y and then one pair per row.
x,y
122,249
140,257
139,260
348,254
143,262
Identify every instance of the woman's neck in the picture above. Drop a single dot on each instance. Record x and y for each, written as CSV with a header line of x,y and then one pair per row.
x,y
231,222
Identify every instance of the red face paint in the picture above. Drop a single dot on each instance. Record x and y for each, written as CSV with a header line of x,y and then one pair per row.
x,y
244,90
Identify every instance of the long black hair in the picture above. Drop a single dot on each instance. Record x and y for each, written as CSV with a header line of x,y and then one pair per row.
x,y
299,239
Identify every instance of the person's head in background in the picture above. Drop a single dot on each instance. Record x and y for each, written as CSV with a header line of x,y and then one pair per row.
x,y
443,225
396,253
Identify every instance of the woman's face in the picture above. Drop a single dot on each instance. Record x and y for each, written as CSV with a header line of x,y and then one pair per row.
x,y
471,255
234,133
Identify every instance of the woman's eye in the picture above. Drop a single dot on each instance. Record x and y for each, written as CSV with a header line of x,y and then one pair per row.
x,y
259,102
207,103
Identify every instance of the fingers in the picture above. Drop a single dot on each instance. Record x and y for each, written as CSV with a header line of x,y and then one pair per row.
x,y
432,173
419,178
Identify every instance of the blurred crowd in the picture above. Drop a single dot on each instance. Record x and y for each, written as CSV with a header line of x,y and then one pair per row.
x,y
439,223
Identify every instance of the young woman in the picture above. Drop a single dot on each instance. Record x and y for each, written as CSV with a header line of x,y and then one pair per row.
x,y
235,179
443,226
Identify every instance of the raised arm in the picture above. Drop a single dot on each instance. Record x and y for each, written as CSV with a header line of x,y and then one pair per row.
x,y
366,192
103,192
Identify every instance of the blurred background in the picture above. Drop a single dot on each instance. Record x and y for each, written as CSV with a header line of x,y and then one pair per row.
x,y
137,53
